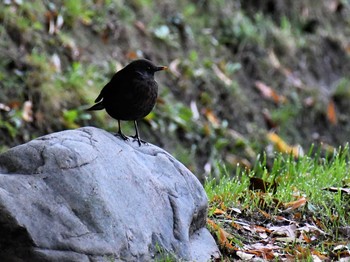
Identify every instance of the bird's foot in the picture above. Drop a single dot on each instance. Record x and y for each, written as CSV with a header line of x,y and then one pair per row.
x,y
124,137
140,141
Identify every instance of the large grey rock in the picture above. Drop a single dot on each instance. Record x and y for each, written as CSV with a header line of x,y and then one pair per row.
x,y
86,195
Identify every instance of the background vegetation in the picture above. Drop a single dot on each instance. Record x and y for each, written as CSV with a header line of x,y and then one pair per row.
x,y
237,71
248,81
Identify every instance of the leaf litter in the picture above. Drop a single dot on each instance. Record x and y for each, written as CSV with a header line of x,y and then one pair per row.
x,y
274,231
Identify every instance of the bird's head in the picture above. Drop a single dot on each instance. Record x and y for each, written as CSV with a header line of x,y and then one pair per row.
x,y
144,68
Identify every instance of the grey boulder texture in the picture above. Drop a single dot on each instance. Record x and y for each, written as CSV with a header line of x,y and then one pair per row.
x,y
87,195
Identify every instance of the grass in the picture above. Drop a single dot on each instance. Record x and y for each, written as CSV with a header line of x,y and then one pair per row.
x,y
303,179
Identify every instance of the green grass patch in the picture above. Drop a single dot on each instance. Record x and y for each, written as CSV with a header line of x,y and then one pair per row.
x,y
310,193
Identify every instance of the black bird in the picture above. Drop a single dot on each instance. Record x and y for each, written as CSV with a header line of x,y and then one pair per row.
x,y
131,94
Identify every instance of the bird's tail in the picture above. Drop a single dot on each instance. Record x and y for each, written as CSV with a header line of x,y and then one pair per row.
x,y
98,106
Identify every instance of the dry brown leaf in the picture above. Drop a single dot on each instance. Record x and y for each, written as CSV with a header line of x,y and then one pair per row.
x,y
295,204
265,214
283,147
273,59
263,250
219,212
319,255
306,238
54,22
221,75
236,226
292,79
337,189
4,107
55,63
269,93
27,113
259,229
222,237
209,114
288,231
131,55
174,67
302,252
297,216
245,256
140,26
331,113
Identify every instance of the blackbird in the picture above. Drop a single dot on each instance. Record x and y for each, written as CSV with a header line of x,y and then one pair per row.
x,y
130,95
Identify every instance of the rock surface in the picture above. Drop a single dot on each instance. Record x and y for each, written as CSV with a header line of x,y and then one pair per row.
x,y
87,195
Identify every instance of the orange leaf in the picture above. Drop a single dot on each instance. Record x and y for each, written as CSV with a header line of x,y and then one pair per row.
x,y
306,238
282,146
268,92
219,212
236,226
331,113
223,241
266,215
132,55
320,256
296,204
260,229
211,117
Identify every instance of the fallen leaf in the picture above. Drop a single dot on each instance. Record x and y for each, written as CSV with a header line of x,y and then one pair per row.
x,y
236,226
273,59
211,117
288,231
295,204
291,78
306,238
221,75
269,93
337,189
244,256
331,113
140,26
283,147
319,255
222,237
236,210
4,107
260,229
55,62
27,113
219,212
174,67
194,110
132,55
310,228
265,214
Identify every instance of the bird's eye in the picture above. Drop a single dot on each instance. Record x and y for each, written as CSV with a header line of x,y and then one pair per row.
x,y
149,68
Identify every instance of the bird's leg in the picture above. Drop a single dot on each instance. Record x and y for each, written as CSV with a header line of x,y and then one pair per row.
x,y
124,137
137,136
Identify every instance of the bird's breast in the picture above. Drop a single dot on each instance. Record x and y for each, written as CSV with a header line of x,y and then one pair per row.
x,y
133,101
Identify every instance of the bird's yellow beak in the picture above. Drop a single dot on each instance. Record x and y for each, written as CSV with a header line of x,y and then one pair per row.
x,y
160,68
